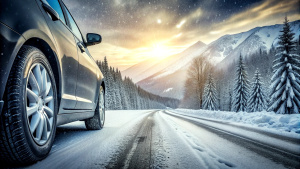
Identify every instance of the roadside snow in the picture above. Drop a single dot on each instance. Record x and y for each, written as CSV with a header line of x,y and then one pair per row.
x,y
279,122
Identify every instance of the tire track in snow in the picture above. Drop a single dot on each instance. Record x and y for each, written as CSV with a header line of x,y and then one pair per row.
x,y
137,153
206,157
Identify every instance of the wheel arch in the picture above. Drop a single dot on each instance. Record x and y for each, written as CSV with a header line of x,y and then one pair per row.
x,y
45,48
103,84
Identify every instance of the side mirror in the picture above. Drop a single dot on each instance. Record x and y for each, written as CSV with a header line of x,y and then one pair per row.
x,y
93,39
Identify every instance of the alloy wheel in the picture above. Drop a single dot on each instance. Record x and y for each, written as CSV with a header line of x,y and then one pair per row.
x,y
40,103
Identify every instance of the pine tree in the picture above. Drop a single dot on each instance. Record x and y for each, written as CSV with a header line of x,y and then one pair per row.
x,y
257,100
124,97
118,103
106,73
285,92
229,100
241,91
210,95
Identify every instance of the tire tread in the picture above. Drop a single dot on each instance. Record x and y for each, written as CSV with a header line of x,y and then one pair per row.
x,y
13,146
94,123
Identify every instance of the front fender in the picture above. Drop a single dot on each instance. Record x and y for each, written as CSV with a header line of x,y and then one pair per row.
x,y
10,44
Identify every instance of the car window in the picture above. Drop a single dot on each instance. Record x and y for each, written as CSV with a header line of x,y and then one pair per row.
x,y
55,5
74,26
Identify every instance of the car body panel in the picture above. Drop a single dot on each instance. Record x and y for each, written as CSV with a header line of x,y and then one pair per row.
x,y
88,75
87,69
67,54
67,118
10,44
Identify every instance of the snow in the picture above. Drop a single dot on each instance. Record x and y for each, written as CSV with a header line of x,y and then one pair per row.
x,y
76,147
168,90
241,37
174,142
139,71
286,124
183,147
181,139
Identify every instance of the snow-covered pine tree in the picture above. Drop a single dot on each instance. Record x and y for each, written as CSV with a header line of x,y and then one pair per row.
x,y
210,101
241,88
118,98
132,94
109,86
257,101
285,88
108,98
111,89
123,94
229,100
127,94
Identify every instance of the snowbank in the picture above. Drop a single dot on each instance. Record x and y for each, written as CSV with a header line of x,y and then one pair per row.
x,y
279,122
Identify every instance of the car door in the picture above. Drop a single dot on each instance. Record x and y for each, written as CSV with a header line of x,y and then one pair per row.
x,y
67,54
87,72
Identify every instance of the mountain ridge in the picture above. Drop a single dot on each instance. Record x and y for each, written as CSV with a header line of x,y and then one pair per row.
x,y
220,52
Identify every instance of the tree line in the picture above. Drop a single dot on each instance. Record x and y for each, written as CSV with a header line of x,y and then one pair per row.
x,y
123,94
210,88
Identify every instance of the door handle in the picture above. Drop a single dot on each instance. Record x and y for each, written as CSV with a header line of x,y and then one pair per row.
x,y
54,15
81,47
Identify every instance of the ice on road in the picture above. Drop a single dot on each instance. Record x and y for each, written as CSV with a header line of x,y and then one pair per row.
x,y
163,139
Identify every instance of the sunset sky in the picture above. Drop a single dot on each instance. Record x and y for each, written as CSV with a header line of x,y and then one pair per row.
x,y
135,30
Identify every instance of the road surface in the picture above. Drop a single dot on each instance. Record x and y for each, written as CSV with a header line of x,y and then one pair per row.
x,y
165,139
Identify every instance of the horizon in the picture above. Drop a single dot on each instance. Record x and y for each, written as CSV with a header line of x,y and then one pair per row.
x,y
153,31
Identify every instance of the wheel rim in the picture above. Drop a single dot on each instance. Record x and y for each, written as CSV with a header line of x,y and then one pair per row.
x,y
40,104
101,106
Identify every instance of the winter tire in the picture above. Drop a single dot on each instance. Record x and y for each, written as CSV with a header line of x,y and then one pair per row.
x,y
97,121
28,122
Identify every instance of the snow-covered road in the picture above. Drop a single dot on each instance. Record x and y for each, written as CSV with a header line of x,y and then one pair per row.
x,y
166,139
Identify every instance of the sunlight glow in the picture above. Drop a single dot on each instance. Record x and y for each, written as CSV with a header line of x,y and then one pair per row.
x,y
159,21
214,32
180,24
159,51
178,35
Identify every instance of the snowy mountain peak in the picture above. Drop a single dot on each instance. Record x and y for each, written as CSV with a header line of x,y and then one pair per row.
x,y
197,45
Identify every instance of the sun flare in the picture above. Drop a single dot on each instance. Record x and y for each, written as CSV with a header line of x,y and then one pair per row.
x,y
159,51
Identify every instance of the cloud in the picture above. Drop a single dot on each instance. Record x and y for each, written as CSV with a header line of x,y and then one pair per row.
x,y
266,13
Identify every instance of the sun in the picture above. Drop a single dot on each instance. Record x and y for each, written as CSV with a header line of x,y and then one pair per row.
x,y
159,51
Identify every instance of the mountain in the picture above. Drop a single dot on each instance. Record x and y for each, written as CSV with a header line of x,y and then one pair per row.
x,y
147,68
138,72
261,38
167,77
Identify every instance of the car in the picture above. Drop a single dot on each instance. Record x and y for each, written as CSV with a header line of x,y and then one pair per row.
x,y
47,76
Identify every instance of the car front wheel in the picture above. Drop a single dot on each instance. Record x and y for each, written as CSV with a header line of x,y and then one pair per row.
x,y
28,123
